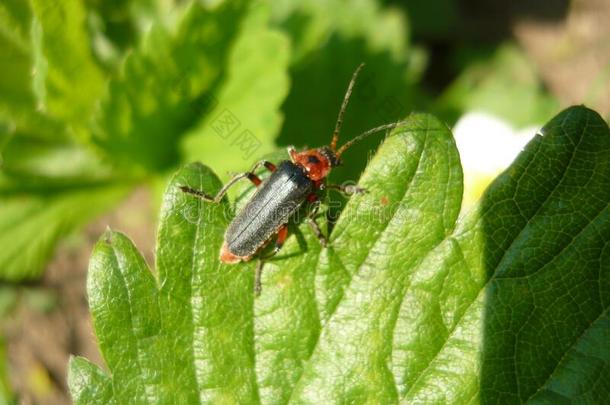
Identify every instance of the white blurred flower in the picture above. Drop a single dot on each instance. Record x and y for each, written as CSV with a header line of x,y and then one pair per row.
x,y
487,146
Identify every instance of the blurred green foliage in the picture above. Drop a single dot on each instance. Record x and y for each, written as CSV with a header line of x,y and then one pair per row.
x,y
99,97
492,81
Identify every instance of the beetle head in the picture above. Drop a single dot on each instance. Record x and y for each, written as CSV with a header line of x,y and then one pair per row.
x,y
316,162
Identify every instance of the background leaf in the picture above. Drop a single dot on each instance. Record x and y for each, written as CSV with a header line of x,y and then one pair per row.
x,y
19,107
39,164
242,125
508,306
16,95
68,83
491,81
330,39
31,224
165,85
46,98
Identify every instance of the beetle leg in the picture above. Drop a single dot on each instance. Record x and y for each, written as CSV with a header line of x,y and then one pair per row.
x,y
268,165
317,231
311,220
347,189
250,175
257,278
282,234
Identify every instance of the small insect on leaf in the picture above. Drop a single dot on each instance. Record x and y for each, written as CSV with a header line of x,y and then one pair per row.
x,y
279,197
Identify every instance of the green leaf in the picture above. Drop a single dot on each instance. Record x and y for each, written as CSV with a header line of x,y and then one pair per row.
x,y
15,91
125,21
31,223
50,74
414,195
434,20
41,164
89,384
18,104
408,304
70,82
128,338
503,307
244,119
166,85
206,309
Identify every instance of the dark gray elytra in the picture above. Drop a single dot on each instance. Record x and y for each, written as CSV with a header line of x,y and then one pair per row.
x,y
274,202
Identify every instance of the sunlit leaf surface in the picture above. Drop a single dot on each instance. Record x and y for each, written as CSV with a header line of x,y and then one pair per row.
x,y
407,304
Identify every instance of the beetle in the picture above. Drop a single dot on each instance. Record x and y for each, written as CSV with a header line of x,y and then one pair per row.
x,y
277,198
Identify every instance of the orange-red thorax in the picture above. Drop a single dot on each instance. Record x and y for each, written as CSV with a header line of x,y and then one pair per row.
x,y
315,163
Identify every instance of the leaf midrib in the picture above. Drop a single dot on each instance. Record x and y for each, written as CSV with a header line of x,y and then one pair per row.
x,y
192,296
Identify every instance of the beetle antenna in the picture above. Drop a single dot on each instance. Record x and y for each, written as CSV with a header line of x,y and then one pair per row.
x,y
367,133
348,93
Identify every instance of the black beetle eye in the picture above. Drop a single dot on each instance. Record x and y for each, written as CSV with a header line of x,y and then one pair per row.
x,y
312,159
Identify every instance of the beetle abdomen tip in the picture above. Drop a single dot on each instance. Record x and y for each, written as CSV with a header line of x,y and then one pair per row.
x,y
227,257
